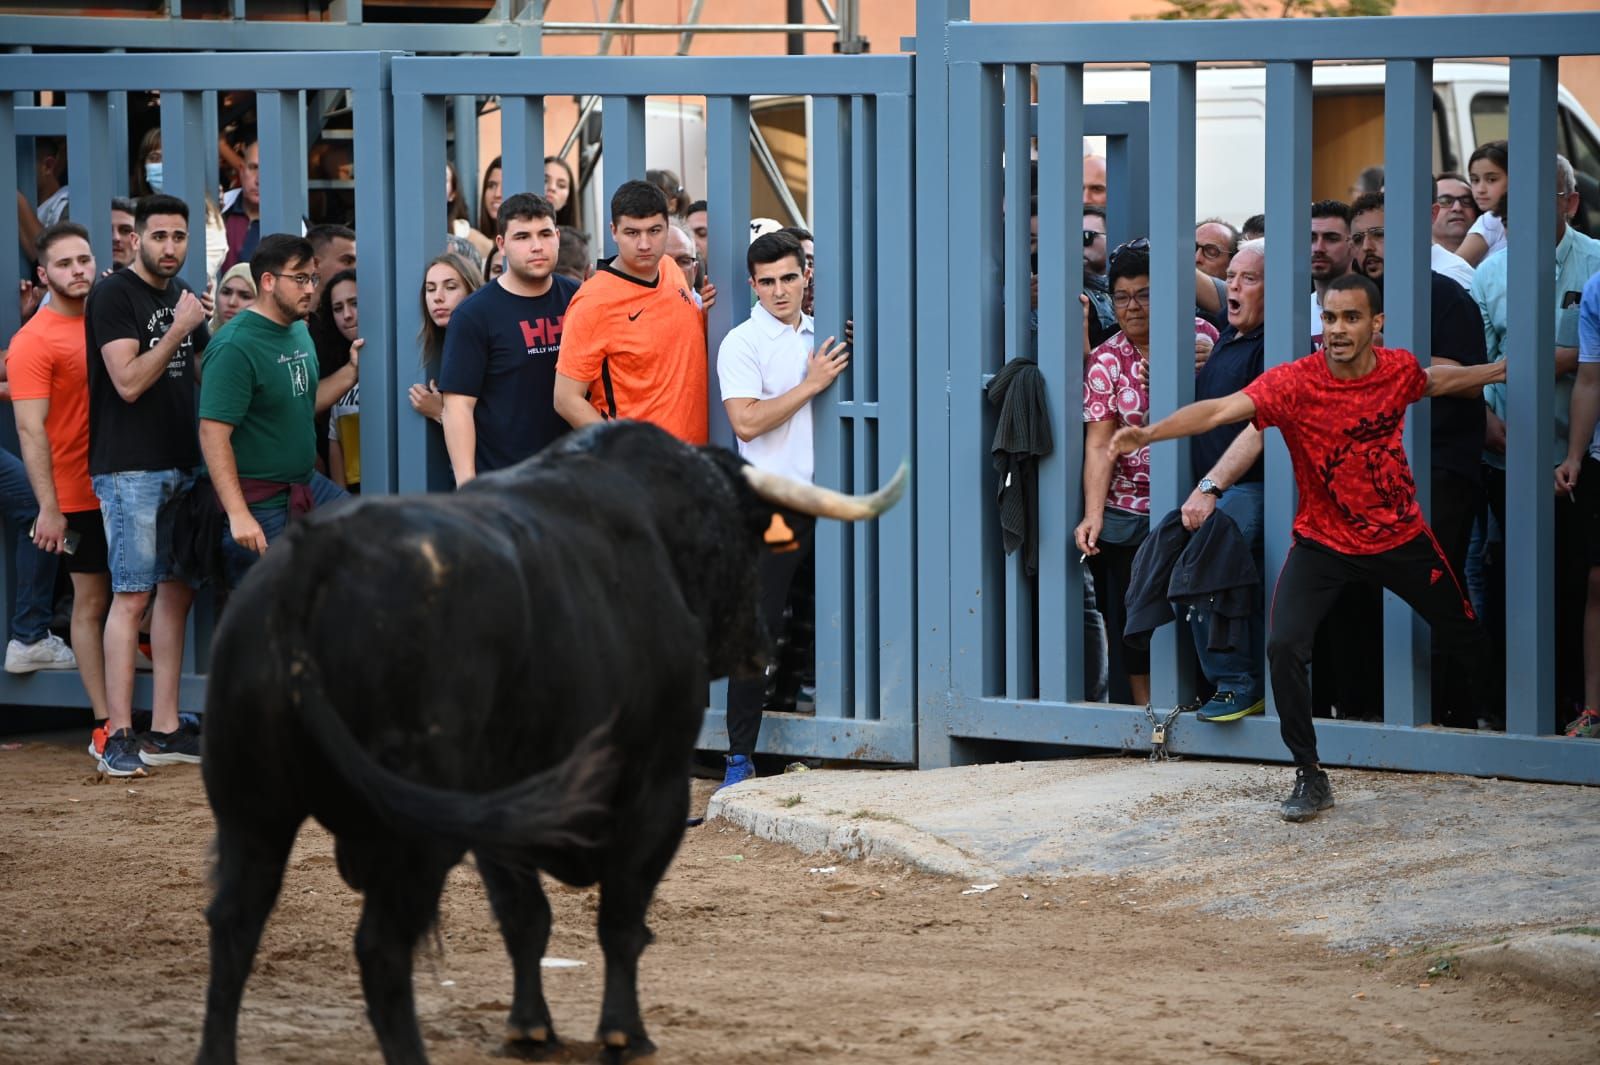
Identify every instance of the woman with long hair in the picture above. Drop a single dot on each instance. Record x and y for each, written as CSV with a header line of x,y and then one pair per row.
x,y
147,164
456,213
448,280
338,324
489,201
559,188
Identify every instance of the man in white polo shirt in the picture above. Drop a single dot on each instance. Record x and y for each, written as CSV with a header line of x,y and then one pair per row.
x,y
769,371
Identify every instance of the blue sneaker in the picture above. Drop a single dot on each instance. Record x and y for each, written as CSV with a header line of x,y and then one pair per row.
x,y
1226,706
121,755
740,769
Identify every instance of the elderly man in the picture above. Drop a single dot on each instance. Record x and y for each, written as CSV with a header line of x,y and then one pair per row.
x,y
1454,211
1215,244
1094,180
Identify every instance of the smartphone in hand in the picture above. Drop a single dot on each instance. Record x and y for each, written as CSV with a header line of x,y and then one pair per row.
x,y
69,542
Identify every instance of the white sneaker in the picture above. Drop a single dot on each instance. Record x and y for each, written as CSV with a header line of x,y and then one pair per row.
x,y
48,653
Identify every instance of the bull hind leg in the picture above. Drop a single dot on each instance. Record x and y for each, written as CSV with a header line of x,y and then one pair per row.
x,y
402,897
523,912
248,875
629,882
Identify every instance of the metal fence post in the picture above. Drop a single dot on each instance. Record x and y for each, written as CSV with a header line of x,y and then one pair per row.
x,y
184,144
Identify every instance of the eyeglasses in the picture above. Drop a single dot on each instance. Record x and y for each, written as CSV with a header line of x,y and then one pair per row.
x,y
1359,237
303,280
686,261
1123,300
1445,200
1090,236
1210,252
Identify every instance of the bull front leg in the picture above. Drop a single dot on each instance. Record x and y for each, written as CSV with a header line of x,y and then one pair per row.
x,y
523,913
654,828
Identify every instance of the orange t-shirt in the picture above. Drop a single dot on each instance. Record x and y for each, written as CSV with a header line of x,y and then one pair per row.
x,y
651,339
47,361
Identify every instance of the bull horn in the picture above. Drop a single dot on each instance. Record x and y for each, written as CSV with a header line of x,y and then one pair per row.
x,y
825,502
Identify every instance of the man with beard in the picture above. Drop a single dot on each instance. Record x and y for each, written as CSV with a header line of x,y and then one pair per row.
x,y
48,371
498,371
1330,254
143,328
260,394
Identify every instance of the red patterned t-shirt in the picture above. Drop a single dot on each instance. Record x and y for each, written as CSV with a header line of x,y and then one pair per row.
x,y
1345,437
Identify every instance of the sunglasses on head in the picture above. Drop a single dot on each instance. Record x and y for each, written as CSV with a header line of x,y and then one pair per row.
x,y
1137,244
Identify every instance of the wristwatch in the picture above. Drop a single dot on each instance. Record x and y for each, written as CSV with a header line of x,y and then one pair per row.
x,y
1209,487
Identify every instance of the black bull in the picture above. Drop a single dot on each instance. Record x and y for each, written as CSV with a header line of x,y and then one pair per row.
x,y
517,670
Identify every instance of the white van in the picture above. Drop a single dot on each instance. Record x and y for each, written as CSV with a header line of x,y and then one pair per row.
x,y
1469,105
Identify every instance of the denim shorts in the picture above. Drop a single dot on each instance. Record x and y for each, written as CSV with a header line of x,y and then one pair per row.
x,y
129,503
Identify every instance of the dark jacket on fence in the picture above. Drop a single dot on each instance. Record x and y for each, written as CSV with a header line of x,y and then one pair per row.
x,y
1021,438
1175,571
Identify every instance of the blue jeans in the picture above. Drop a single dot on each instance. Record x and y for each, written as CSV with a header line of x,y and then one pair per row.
x,y
273,520
1240,670
129,504
33,598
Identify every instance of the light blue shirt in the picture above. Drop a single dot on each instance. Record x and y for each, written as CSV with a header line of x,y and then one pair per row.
x,y
1577,260
1589,339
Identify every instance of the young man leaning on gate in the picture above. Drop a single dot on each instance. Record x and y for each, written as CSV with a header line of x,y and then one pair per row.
x,y
1342,414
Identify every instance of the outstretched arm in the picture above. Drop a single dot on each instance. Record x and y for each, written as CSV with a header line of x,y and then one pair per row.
x,y
1196,418
1463,380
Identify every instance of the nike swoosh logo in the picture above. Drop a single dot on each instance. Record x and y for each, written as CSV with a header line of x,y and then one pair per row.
x,y
635,315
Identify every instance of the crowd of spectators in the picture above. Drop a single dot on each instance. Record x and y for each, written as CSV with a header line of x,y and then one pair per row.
x,y
169,435
141,403
1468,286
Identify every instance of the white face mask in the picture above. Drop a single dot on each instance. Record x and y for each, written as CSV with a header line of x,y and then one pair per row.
x,y
152,175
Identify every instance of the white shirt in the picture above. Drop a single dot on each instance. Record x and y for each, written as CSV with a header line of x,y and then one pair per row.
x,y
1316,320
1492,230
1446,262
51,210
762,358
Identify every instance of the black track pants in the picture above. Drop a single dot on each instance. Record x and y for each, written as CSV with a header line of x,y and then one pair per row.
x,y
1310,583
777,571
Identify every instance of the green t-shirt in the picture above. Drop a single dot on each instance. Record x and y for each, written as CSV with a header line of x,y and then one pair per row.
x,y
261,378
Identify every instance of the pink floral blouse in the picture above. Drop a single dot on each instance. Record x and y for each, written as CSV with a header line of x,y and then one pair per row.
x,y
1113,392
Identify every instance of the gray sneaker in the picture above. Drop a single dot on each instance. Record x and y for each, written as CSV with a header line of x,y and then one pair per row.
x,y
48,653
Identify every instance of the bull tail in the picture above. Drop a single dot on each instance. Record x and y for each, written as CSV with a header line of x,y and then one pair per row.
x,y
561,810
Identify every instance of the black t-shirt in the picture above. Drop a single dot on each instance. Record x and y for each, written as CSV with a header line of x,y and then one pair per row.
x,y
1235,361
502,348
1457,420
157,430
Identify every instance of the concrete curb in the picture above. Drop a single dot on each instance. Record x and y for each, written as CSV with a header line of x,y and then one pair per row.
x,y
1564,962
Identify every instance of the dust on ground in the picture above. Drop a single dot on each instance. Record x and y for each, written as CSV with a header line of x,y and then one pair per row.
x,y
757,958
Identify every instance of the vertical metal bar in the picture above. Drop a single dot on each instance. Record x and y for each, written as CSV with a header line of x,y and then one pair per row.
x,y
935,475
1172,140
352,12
622,145
1021,669
464,152
118,110
184,145
1407,323
389,361
1288,280
88,134
1530,336
896,341
208,122
11,263
522,145
728,186
1128,173
835,621
977,630
280,123
1061,357
863,390
419,235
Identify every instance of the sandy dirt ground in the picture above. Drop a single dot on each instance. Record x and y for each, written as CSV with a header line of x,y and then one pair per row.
x,y
758,958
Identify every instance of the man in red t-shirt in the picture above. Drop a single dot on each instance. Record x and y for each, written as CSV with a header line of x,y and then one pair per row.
x,y
1342,413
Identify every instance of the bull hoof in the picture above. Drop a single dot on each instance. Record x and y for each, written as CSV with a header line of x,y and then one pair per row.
x,y
618,1047
536,1043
